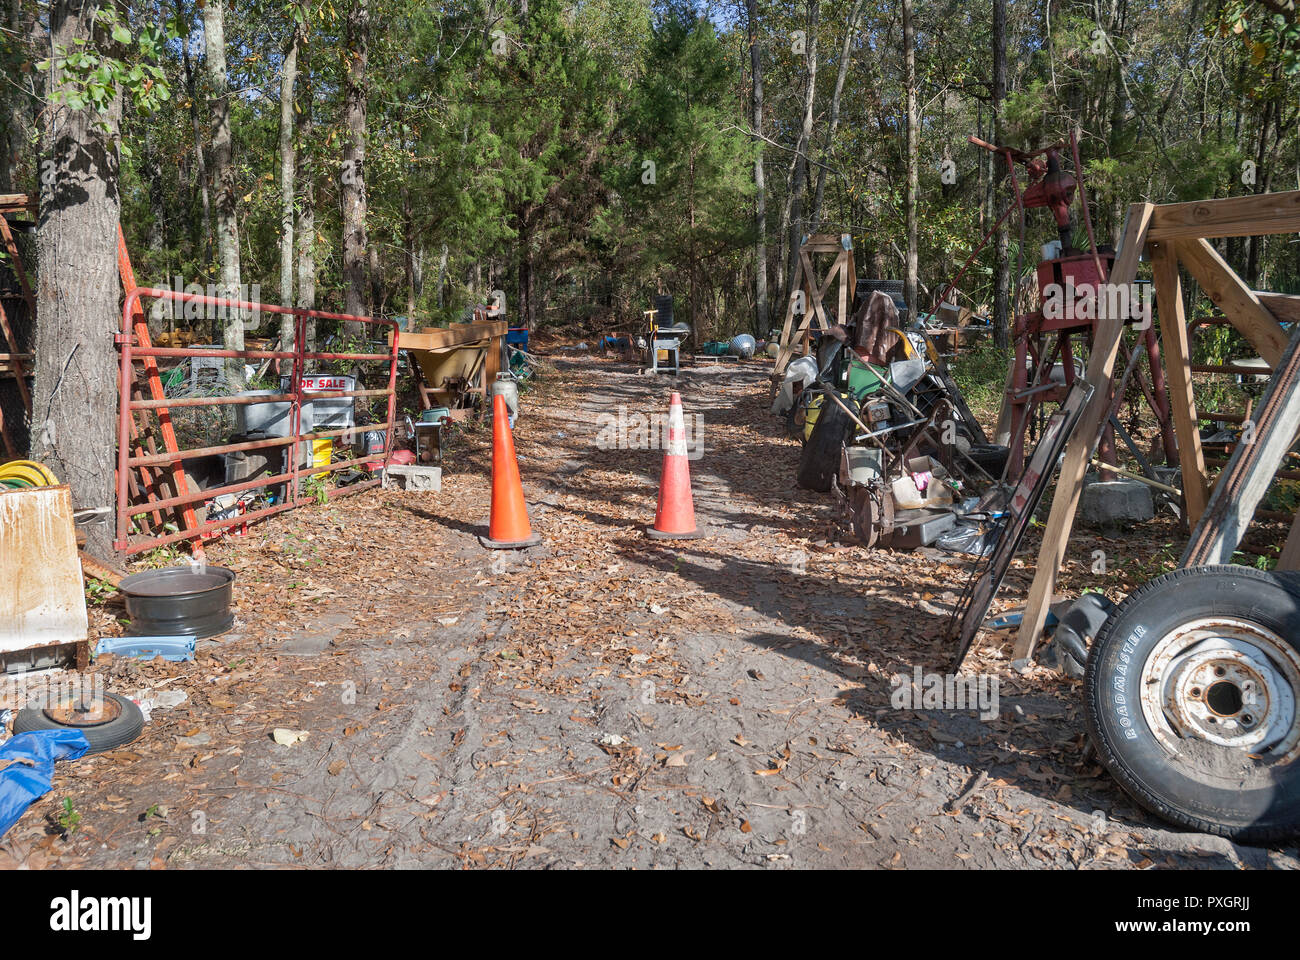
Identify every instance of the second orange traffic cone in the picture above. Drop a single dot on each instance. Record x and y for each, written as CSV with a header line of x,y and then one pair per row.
x,y
508,526
675,516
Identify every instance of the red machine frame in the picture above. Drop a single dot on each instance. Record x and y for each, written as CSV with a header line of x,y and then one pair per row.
x,y
126,461
1050,187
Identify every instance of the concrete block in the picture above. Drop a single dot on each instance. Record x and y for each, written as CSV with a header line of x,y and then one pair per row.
x,y
1111,504
412,477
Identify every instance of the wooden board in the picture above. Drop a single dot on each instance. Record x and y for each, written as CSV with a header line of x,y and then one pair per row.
x,y
1065,500
1240,305
458,334
1178,369
1227,217
41,598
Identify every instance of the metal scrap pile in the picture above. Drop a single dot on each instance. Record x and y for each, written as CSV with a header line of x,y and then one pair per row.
x,y
884,428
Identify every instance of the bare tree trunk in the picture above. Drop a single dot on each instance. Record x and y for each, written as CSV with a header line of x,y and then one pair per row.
x,y
223,172
288,167
913,152
840,74
196,128
74,405
1002,246
306,180
760,178
354,158
408,250
799,175
442,277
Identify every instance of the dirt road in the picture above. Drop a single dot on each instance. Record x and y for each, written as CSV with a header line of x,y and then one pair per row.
x,y
600,700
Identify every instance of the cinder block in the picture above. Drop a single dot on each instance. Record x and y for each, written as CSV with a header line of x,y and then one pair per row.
x,y
1110,504
412,477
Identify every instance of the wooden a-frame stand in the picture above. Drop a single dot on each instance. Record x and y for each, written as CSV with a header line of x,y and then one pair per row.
x,y
795,338
1173,233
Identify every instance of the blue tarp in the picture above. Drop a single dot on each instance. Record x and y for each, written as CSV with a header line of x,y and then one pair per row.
x,y
28,761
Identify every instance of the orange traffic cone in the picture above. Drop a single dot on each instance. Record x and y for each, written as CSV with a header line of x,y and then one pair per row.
x,y
508,527
675,516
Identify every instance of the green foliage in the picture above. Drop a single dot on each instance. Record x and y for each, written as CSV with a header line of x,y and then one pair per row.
x,y
114,62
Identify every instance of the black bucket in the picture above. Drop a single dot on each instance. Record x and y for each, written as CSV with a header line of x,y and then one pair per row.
x,y
179,601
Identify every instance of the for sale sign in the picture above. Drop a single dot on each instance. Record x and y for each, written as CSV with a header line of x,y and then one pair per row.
x,y
322,382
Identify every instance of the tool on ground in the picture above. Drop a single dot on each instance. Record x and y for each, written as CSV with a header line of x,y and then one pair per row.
x,y
675,514
508,526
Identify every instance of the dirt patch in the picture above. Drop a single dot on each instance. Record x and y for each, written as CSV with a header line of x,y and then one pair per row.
x,y
604,699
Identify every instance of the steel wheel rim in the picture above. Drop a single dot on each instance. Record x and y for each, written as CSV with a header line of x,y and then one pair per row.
x,y
1223,681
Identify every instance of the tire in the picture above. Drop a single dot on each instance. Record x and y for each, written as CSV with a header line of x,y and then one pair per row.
x,y
1155,703
118,732
820,461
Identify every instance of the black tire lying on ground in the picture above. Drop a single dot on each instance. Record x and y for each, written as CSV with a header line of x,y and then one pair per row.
x,y
1192,697
819,462
125,728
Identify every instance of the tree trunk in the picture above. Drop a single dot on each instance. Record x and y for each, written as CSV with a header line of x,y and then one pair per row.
x,y
288,166
799,175
913,153
1002,246
74,404
223,173
408,251
840,74
354,158
196,129
760,178
306,180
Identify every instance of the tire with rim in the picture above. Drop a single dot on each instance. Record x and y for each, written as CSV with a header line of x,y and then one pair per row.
x,y
124,726
1191,695
819,462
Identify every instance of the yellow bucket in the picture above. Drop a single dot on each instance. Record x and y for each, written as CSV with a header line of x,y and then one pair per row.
x,y
322,450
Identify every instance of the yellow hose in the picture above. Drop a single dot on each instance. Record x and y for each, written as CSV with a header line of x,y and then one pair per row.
x,y
37,474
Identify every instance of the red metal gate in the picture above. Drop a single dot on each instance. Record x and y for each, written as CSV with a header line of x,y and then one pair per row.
x,y
127,407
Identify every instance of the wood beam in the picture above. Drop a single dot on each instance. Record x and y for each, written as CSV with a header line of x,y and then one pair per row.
x,y
1251,469
1069,483
1285,307
1290,558
1227,217
1178,369
1237,301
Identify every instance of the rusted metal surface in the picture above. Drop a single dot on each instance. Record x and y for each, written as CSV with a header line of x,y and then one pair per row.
x,y
1225,681
291,477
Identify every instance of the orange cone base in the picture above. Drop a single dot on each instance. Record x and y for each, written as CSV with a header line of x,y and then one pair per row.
x,y
695,534
491,544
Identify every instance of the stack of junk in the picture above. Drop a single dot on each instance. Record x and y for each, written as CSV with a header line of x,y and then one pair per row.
x,y
883,429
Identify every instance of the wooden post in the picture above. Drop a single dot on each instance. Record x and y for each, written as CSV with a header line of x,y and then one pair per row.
x,y
1182,403
1101,365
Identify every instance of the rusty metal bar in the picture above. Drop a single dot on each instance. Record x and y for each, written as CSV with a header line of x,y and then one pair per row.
x,y
244,401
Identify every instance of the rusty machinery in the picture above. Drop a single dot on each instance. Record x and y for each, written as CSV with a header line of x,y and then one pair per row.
x,y
1045,340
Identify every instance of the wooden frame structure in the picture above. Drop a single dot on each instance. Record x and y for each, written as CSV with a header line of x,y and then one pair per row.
x,y
1173,233
805,279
